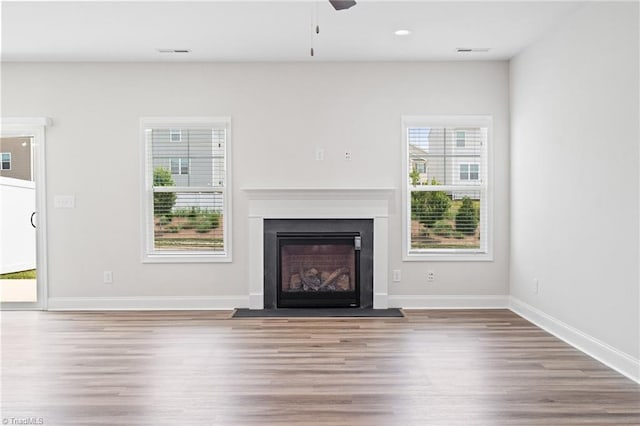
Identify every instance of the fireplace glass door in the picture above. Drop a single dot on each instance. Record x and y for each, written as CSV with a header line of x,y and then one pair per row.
x,y
318,270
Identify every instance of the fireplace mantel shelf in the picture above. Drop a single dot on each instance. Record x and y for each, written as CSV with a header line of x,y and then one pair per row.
x,y
318,192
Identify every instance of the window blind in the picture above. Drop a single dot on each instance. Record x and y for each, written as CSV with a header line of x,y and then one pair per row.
x,y
447,189
186,174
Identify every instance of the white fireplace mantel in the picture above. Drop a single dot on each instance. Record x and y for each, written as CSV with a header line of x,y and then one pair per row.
x,y
319,203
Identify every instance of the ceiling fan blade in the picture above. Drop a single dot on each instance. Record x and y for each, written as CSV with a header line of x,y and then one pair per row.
x,y
342,4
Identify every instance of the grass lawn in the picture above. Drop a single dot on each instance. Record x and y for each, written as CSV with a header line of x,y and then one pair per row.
x,y
23,275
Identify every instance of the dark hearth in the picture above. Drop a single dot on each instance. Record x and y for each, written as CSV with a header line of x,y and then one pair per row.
x,y
318,263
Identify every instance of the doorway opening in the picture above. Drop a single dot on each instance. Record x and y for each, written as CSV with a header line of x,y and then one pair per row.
x,y
22,246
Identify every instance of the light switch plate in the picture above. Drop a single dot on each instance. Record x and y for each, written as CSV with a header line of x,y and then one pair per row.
x,y
64,202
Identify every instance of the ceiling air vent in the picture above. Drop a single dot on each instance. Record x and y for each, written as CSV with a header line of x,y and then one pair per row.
x,y
174,50
471,49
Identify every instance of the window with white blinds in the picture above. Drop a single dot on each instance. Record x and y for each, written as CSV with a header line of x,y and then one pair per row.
x,y
186,203
446,176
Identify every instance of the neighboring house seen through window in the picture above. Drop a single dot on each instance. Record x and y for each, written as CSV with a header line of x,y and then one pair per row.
x,y
420,166
446,215
5,161
175,135
186,202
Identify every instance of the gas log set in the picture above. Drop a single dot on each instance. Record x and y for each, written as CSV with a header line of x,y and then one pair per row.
x,y
314,280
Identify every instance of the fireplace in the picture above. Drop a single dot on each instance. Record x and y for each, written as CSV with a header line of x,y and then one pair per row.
x,y
318,270
318,263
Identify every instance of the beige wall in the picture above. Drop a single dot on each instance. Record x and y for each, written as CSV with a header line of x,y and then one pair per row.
x,y
20,157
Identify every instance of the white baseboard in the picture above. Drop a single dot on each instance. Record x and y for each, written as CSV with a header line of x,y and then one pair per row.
x,y
606,354
169,303
449,302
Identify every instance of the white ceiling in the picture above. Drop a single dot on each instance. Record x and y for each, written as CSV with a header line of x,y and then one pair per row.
x,y
272,31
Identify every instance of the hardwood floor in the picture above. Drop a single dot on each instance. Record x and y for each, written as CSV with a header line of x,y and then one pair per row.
x,y
480,367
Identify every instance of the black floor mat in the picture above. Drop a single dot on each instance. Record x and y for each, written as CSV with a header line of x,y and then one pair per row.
x,y
319,312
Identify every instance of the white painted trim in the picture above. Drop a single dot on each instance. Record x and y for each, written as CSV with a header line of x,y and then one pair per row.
x,y
26,122
256,300
380,301
165,303
621,362
318,193
320,203
449,301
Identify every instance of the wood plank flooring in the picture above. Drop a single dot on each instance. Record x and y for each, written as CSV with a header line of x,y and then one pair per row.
x,y
479,367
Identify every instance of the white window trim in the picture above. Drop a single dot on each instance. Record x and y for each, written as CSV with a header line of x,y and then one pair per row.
x,y
2,154
486,176
149,255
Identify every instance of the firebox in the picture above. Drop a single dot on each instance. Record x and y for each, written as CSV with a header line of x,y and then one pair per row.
x,y
318,263
318,270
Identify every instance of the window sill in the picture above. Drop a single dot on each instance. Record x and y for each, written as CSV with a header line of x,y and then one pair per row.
x,y
447,257
186,258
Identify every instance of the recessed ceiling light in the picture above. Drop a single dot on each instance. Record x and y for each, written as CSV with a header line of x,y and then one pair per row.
x,y
402,32
471,49
174,50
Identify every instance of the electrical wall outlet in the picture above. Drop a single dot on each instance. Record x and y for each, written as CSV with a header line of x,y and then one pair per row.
x,y
397,275
536,286
107,277
431,276
319,154
347,155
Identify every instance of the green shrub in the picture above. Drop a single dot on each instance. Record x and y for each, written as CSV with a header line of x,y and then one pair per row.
x,y
163,202
164,220
172,229
189,224
428,207
203,227
418,200
436,205
467,217
443,229
213,218
180,212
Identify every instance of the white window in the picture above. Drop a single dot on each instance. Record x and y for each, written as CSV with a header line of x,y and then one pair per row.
x,y
179,166
447,216
5,161
186,202
175,135
469,172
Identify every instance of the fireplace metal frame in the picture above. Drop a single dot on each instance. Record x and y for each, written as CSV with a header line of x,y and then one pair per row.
x,y
286,227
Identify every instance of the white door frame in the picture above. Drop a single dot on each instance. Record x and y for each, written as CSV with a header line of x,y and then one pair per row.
x,y
34,127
